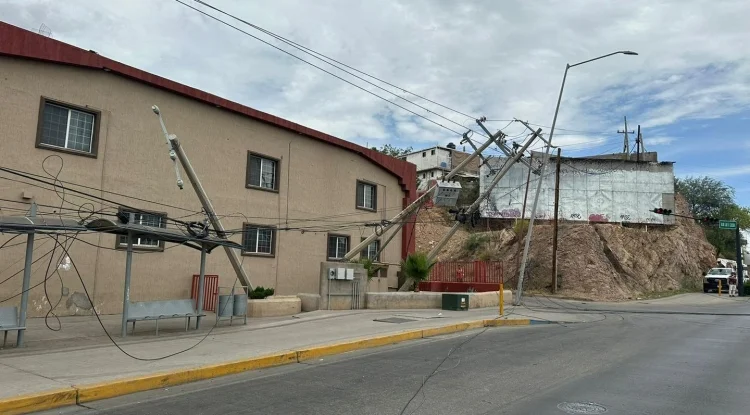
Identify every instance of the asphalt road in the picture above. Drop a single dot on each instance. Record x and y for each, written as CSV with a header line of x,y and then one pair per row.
x,y
624,363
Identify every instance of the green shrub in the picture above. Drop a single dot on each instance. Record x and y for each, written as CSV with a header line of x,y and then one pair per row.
x,y
371,268
520,227
475,241
260,293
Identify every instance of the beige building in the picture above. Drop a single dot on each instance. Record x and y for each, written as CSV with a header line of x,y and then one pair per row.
x,y
294,196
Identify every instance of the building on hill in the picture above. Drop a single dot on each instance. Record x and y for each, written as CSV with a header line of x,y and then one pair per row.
x,y
292,196
435,162
592,189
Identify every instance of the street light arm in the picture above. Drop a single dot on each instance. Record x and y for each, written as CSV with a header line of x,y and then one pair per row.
x,y
624,52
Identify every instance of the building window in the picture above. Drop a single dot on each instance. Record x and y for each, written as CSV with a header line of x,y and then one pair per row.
x,y
262,172
338,246
66,127
152,219
432,174
371,252
432,152
258,240
424,154
367,196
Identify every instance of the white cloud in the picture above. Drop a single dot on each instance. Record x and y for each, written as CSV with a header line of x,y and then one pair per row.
x,y
477,57
721,172
660,140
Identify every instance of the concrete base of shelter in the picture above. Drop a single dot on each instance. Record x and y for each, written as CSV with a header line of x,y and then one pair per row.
x,y
310,302
274,306
426,299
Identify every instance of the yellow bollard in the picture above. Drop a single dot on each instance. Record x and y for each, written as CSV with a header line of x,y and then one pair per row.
x,y
502,300
719,288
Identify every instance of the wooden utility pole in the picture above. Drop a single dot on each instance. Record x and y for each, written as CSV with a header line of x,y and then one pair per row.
x,y
626,143
554,225
638,144
526,194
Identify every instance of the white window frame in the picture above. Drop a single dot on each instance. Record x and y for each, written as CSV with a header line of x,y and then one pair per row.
x,y
67,128
336,254
137,241
259,228
264,161
373,196
275,171
373,245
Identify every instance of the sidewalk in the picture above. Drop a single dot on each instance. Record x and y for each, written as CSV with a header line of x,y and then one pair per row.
x,y
81,354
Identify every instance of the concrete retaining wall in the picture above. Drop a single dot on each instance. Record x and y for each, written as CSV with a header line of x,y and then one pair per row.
x,y
411,300
274,306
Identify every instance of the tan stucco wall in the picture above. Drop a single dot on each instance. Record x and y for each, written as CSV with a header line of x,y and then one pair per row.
x,y
317,180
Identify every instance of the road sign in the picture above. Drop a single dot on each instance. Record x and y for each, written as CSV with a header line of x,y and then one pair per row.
x,y
727,224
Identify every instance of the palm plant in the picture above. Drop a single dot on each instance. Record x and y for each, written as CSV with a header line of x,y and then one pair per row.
x,y
416,267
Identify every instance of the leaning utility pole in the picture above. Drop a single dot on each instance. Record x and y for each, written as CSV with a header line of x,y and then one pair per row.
x,y
176,151
554,228
474,206
404,214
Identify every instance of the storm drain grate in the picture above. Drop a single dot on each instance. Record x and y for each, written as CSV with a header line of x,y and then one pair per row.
x,y
397,320
585,408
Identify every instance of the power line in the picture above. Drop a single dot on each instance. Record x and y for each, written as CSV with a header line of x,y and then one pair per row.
x,y
328,60
318,67
558,128
112,193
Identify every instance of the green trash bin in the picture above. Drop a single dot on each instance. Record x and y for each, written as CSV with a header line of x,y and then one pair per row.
x,y
455,302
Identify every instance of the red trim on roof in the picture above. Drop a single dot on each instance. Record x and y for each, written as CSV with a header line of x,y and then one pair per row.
x,y
22,43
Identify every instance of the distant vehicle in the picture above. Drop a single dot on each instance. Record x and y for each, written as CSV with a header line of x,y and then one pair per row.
x,y
714,275
712,278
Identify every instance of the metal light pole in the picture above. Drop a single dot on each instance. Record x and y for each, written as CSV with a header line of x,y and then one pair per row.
x,y
545,159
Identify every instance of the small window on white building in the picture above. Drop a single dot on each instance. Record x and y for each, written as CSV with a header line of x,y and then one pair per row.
x,y
432,152
424,154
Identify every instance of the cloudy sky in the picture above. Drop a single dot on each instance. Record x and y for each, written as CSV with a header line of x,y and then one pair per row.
x,y
689,88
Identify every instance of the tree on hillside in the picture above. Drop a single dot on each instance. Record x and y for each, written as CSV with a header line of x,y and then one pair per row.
x,y
706,196
710,197
393,151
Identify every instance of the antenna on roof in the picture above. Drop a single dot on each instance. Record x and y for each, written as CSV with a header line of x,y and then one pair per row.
x,y
45,30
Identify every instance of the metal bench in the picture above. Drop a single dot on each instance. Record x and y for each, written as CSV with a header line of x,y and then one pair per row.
x,y
9,321
159,310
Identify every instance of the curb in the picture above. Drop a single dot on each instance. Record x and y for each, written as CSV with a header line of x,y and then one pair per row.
x,y
38,401
88,393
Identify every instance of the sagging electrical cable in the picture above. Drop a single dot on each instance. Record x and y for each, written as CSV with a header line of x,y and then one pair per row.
x,y
98,318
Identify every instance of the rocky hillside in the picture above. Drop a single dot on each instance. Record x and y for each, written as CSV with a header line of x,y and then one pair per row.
x,y
595,261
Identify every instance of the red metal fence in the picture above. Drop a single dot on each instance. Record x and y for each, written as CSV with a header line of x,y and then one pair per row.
x,y
476,272
210,288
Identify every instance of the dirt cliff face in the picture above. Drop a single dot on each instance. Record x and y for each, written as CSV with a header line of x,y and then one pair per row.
x,y
595,261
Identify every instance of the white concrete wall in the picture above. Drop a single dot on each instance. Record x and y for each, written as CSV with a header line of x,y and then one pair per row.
x,y
590,190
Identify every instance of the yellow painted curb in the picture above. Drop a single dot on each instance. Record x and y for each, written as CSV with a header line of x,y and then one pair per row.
x,y
498,323
453,328
38,402
88,393
348,346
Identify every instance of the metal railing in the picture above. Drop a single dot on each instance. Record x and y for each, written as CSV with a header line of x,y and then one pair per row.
x,y
466,271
